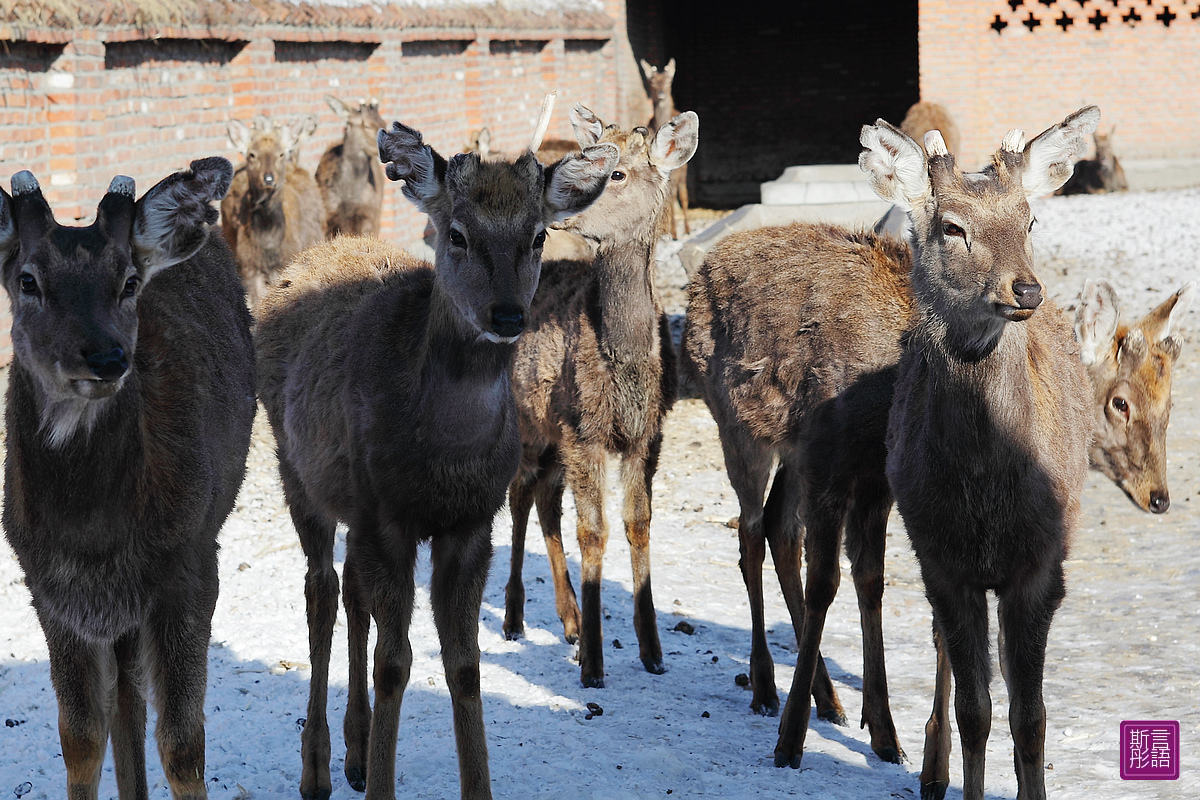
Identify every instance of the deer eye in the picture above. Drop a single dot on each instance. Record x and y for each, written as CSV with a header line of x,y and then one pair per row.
x,y
28,283
1031,224
1121,406
950,229
457,239
617,176
540,239
131,286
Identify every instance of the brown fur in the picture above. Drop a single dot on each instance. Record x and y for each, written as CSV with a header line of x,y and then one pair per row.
x,y
596,375
925,116
387,384
1101,173
350,175
659,84
268,222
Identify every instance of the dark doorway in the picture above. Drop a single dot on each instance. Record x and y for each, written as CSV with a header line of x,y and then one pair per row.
x,y
778,83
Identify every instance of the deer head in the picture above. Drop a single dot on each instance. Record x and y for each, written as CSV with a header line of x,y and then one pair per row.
x,y
268,151
74,291
1130,367
491,219
637,188
362,122
974,253
659,80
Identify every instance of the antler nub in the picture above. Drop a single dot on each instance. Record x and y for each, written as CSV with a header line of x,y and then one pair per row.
x,y
24,183
122,184
543,121
935,145
1014,141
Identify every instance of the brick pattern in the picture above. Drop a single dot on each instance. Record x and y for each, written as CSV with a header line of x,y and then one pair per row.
x,y
103,101
1030,76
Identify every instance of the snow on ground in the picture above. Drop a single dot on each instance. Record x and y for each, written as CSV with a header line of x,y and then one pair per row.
x,y
1125,645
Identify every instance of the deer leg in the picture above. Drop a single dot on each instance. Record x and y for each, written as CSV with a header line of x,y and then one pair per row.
x,y
935,766
356,726
962,619
637,474
587,478
82,674
391,602
460,567
783,530
1025,616
316,532
520,501
129,726
824,574
177,636
866,540
548,496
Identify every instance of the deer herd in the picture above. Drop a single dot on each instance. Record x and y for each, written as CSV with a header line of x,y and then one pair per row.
x,y
845,369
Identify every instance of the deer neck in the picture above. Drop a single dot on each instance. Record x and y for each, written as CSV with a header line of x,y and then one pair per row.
x,y
266,215
356,159
664,110
624,271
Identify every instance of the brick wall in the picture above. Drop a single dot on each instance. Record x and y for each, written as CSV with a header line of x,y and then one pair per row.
x,y
998,67
83,105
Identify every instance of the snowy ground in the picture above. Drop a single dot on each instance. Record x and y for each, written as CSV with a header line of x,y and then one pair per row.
x,y
1125,645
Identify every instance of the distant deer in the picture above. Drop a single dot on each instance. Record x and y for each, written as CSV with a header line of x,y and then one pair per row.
x,y
659,83
925,116
1102,173
130,401
349,175
274,208
388,386
1130,368
988,432
596,375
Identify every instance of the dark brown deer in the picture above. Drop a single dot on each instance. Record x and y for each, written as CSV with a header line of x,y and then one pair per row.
x,y
349,174
274,208
130,401
988,432
1101,173
659,83
595,375
1130,368
388,386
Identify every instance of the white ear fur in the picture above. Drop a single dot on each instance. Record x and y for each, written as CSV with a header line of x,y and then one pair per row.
x,y
239,135
587,126
895,164
1096,320
1050,157
670,69
1183,302
578,180
647,69
676,142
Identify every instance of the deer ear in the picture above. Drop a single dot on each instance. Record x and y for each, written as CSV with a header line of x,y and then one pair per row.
x,y
171,221
1164,322
588,127
1051,155
297,132
409,159
575,182
670,69
895,165
239,135
338,107
676,142
1096,320
647,69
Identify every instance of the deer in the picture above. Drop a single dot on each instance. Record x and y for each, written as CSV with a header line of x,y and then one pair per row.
x,y
1130,369
989,429
349,174
274,208
924,116
413,364
596,375
1100,174
129,407
659,83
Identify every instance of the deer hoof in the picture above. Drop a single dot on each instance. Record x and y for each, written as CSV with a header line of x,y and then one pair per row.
x,y
512,634
592,682
784,760
836,716
892,755
356,779
933,791
319,794
766,708
653,667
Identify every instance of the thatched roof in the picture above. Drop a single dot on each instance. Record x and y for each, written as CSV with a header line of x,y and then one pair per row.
x,y
18,17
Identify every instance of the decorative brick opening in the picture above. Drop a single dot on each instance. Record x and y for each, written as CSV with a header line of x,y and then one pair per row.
x,y
135,53
22,56
1072,15
315,51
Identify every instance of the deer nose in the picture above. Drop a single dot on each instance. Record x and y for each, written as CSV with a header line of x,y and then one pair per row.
x,y
508,321
107,366
1159,502
1028,295
269,179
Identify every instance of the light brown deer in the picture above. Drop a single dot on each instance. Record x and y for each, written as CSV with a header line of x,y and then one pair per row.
x,y
596,375
349,174
130,402
1130,368
925,116
659,83
989,430
274,208
388,386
